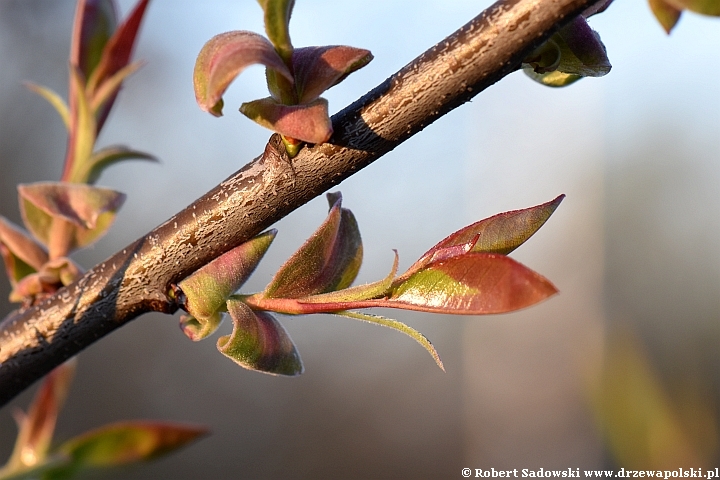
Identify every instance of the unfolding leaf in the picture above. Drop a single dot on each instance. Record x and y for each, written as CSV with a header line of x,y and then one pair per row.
x,y
259,342
470,284
48,279
197,330
84,129
308,122
329,260
110,87
89,209
552,79
223,58
95,22
54,99
106,157
501,233
37,427
127,442
205,292
21,245
277,21
318,68
399,326
666,14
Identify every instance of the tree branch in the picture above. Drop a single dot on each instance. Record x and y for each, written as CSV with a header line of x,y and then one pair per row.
x,y
137,279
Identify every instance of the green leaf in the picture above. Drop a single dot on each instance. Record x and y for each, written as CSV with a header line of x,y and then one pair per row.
x,y
277,22
127,442
704,7
83,131
95,22
470,284
308,122
318,68
109,88
106,157
399,326
329,260
223,58
258,342
90,210
55,100
204,293
555,79
37,427
197,330
666,14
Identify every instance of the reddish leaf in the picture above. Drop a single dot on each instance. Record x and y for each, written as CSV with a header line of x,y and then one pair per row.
x,y
127,442
95,22
470,284
37,427
258,342
329,260
318,68
21,245
223,58
197,330
308,122
501,233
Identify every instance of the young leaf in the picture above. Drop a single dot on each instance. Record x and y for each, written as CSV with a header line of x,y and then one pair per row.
x,y
90,210
110,87
704,7
399,326
127,442
83,130
665,13
197,330
501,233
106,157
318,68
54,100
37,427
470,284
554,79
95,22
307,122
329,260
277,22
204,293
223,58
21,245
259,342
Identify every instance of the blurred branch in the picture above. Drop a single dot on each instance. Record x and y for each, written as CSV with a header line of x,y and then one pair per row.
x,y
137,279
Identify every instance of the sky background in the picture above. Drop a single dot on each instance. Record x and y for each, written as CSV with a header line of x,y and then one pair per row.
x,y
633,248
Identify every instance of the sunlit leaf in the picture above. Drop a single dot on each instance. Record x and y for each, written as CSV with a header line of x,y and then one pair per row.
x,y
258,342
501,233
666,14
106,157
318,68
110,87
308,122
399,326
95,22
21,245
55,100
224,57
62,271
552,79
127,442
329,260
277,21
704,7
197,330
205,292
473,283
83,132
37,427
90,210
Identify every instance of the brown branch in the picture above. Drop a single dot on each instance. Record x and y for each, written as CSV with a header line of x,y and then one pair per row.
x,y
136,280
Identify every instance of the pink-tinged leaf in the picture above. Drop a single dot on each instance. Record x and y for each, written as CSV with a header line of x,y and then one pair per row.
x,y
54,99
277,22
665,13
399,326
37,427
223,58
197,330
95,23
470,284
127,442
329,260
308,122
89,210
53,275
258,342
108,156
21,245
501,233
204,293
318,68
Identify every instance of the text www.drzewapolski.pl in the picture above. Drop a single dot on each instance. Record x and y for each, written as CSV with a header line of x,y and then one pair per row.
x,y
577,473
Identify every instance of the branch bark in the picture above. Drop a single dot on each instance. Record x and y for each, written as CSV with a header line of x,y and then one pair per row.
x,y
137,279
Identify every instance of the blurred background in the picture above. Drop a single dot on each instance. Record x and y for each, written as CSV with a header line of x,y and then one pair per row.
x,y
622,368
